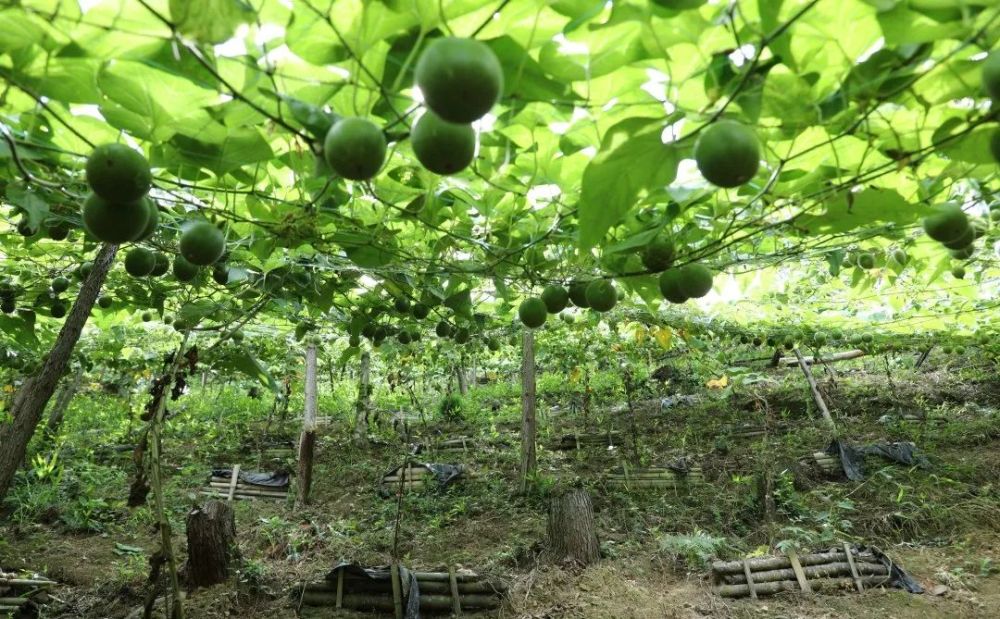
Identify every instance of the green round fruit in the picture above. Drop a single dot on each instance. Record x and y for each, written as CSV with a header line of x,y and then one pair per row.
x,y
556,298
168,319
7,305
532,312
58,310
154,220
83,272
220,273
443,147
757,341
146,317
695,280
118,174
727,153
237,336
867,338
401,304
658,255
900,257
59,284
404,337
947,350
461,79
601,295
568,318
462,335
578,294
964,253
139,262
958,272
24,228
443,329
116,222
820,338
184,271
162,265
415,335
202,243
947,224
355,148
866,261
420,311
670,286
991,76
57,231
960,350
493,344
789,343
104,302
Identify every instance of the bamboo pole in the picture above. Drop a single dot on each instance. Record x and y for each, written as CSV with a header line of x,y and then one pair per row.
x,y
242,489
26,582
385,603
426,586
817,396
763,564
828,570
840,356
823,584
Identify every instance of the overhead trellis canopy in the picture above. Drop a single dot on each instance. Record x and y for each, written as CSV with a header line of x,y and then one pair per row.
x,y
868,113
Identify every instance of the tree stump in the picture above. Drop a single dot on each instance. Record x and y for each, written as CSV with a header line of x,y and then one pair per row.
x,y
211,538
571,530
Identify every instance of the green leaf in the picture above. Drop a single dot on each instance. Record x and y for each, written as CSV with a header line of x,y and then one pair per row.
x,y
868,207
632,159
33,207
245,362
209,21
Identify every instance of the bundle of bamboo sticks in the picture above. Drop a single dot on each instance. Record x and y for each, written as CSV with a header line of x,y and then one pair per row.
x,y
15,591
233,488
579,441
824,461
655,477
844,568
415,476
439,592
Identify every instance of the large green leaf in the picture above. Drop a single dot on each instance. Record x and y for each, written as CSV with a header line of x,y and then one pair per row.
x,y
209,21
632,159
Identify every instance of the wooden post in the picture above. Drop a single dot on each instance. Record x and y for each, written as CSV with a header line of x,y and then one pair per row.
x,y
749,577
817,396
361,413
397,590
456,603
307,442
854,568
528,429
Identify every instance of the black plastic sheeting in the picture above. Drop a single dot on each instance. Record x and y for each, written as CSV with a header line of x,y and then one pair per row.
x,y
382,574
444,474
266,479
852,457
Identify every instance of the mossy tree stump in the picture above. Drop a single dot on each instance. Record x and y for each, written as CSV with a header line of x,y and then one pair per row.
x,y
571,530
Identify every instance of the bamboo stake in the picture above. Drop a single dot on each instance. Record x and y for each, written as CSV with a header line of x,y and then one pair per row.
x,y
233,481
397,595
385,603
456,603
854,568
750,583
793,557
817,396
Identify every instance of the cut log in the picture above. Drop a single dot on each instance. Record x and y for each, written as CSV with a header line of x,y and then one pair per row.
x,y
25,582
211,538
840,356
243,494
384,603
827,570
571,531
763,564
822,584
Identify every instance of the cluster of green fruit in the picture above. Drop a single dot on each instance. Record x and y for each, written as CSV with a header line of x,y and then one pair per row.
x,y
868,260
117,210
461,80
950,226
